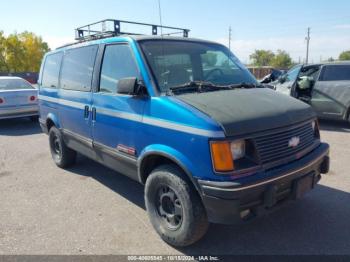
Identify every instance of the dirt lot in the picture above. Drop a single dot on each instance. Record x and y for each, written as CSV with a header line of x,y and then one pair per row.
x,y
90,209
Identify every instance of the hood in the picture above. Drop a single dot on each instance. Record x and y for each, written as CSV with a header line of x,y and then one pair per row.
x,y
245,111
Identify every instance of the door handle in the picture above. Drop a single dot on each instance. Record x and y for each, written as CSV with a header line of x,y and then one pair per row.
x,y
86,111
94,114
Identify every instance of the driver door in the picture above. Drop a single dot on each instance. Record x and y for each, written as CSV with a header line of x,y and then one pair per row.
x,y
116,118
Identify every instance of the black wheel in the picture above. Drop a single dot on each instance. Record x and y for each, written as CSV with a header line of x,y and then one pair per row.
x,y
174,207
61,154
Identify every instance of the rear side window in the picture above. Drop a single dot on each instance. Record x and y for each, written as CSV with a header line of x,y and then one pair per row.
x,y
335,73
51,70
118,62
77,69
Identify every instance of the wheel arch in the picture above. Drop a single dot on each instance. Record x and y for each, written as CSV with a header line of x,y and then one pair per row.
x,y
347,113
51,120
153,158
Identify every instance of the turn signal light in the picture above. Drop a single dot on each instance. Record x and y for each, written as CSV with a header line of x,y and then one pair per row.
x,y
1,100
32,98
222,156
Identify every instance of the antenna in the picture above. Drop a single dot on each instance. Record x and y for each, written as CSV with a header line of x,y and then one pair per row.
x,y
229,37
160,18
162,68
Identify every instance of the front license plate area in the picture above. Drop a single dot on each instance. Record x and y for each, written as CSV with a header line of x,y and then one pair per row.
x,y
303,185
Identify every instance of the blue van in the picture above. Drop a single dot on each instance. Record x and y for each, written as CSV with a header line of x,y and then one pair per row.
x,y
184,117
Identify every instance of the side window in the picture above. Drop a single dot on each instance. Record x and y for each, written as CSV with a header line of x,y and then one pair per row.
x,y
77,69
51,70
118,62
335,73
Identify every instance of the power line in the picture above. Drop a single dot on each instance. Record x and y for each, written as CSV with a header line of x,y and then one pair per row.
x,y
307,38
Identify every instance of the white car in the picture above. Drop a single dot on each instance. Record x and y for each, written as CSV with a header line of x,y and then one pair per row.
x,y
18,98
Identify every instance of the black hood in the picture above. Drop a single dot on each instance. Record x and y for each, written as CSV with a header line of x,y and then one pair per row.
x,y
245,111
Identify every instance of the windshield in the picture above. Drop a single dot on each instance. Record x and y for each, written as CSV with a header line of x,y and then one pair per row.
x,y
175,63
14,84
293,73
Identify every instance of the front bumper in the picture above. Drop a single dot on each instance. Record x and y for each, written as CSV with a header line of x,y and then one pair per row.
x,y
231,202
19,111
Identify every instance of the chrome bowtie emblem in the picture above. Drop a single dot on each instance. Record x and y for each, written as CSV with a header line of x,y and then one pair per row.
x,y
294,141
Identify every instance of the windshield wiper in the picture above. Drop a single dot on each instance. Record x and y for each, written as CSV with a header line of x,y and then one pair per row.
x,y
199,86
242,85
203,86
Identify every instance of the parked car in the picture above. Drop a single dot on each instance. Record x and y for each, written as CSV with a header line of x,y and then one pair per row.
x,y
326,87
18,98
209,144
273,76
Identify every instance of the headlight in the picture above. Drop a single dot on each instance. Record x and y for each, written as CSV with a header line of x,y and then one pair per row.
x,y
224,153
238,149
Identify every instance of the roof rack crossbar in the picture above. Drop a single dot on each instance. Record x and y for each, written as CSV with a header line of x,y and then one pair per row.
x,y
89,32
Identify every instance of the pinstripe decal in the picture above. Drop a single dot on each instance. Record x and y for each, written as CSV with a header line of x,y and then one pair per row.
x,y
119,114
139,118
62,101
182,128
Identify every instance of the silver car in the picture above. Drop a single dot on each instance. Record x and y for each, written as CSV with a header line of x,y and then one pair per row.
x,y
326,87
18,98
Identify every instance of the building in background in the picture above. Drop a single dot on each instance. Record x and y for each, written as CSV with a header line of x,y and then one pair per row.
x,y
31,77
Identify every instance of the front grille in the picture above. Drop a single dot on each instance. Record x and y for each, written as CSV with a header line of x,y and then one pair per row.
x,y
274,147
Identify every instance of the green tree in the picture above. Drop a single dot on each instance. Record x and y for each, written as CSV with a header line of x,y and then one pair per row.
x,y
34,50
262,57
14,53
345,55
21,52
3,64
281,60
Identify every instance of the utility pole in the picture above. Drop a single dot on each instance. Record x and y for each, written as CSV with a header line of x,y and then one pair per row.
x,y
229,37
307,38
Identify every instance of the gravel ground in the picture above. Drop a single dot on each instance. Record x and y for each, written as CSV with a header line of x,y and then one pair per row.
x,y
90,209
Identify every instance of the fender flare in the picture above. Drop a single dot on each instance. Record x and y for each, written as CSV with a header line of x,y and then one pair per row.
x,y
173,155
52,117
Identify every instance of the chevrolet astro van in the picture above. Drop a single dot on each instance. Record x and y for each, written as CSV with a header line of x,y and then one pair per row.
x,y
183,117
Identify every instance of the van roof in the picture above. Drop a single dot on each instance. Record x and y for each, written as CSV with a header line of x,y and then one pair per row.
x,y
132,37
329,63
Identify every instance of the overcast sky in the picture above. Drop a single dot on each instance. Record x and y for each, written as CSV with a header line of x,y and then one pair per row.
x,y
266,24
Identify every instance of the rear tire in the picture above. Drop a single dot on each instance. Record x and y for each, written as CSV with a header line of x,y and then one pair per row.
x,y
174,207
61,154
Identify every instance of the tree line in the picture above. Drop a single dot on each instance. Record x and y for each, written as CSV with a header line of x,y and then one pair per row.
x,y
21,52
282,59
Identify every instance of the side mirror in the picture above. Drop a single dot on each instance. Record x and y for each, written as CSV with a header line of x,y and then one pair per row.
x,y
128,86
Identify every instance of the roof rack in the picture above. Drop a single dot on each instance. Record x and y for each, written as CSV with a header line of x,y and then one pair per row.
x,y
112,27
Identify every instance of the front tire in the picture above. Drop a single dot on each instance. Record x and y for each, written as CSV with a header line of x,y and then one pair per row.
x,y
174,207
61,154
